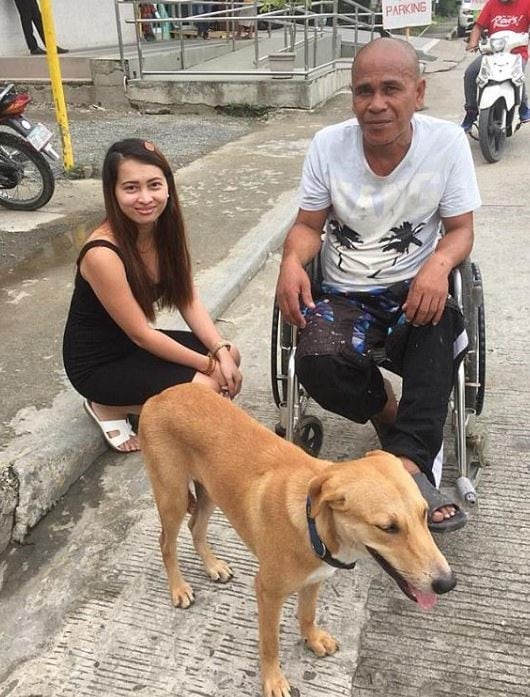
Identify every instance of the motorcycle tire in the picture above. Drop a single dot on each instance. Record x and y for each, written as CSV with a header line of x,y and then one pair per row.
x,y
492,134
36,171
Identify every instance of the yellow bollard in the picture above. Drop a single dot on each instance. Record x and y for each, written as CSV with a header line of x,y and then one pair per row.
x,y
57,86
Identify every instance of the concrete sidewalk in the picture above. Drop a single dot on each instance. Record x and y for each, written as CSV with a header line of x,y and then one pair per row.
x,y
238,203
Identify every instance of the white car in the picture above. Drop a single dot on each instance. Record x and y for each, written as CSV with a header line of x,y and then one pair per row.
x,y
466,17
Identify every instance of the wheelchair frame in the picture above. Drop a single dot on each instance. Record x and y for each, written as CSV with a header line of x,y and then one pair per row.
x,y
465,404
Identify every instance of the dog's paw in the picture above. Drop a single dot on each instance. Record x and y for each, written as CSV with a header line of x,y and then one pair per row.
x,y
219,571
183,596
320,642
276,685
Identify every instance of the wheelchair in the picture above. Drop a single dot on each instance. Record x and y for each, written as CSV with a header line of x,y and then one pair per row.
x,y
466,401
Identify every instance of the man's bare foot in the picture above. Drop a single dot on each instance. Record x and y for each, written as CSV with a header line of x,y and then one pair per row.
x,y
102,413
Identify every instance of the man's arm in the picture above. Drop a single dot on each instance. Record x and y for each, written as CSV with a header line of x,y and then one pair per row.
x,y
474,37
301,246
428,291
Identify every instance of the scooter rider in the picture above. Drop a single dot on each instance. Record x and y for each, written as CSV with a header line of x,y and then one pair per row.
x,y
496,15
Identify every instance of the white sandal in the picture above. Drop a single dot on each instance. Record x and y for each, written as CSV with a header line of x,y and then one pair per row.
x,y
125,431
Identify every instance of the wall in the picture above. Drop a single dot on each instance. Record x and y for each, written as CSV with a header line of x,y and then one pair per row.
x,y
79,24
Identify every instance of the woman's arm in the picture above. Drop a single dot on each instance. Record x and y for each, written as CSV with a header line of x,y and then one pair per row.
x,y
201,324
104,271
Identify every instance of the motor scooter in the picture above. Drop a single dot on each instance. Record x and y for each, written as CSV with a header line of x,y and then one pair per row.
x,y
27,181
499,91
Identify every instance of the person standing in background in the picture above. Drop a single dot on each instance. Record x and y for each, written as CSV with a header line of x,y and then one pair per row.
x,y
30,17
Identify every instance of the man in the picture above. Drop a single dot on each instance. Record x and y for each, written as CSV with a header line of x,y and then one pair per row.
x,y
496,15
30,16
383,185
203,26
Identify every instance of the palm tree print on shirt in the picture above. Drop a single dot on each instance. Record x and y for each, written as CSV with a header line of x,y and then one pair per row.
x,y
346,238
403,236
400,240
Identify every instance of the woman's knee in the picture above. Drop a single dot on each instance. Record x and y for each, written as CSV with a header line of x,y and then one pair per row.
x,y
202,379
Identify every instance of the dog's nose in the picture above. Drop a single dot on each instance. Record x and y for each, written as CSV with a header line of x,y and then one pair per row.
x,y
444,584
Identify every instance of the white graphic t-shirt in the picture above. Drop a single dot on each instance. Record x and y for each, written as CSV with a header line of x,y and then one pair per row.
x,y
380,230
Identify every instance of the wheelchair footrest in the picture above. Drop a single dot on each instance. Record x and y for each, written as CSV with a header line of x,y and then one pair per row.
x,y
466,491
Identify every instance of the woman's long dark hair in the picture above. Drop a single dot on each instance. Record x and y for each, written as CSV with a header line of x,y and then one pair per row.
x,y
175,288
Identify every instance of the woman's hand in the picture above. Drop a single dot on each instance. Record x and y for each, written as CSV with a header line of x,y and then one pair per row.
x,y
227,373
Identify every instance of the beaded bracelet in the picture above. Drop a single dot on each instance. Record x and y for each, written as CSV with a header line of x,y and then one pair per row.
x,y
211,364
219,345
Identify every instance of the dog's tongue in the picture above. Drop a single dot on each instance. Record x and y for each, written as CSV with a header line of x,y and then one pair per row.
x,y
425,600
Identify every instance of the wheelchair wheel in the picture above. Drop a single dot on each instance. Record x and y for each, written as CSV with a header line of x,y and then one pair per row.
x,y
475,360
280,348
309,434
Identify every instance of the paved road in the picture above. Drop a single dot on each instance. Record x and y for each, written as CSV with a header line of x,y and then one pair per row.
x,y
85,609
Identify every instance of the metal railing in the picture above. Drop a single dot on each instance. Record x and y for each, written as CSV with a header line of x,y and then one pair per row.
x,y
310,19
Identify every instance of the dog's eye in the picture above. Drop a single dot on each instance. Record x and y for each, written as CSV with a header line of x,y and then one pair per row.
x,y
391,529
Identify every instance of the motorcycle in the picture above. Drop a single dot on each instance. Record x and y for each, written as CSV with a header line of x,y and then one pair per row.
x,y
26,177
500,88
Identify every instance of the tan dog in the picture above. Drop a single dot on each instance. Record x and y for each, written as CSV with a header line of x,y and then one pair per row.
x,y
262,484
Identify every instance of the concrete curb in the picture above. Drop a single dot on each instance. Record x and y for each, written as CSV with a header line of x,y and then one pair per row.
x,y
55,446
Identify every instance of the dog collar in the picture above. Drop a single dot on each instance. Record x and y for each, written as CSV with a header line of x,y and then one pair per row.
x,y
319,548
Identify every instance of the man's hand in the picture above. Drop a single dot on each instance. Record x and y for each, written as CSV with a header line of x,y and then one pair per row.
x,y
428,292
474,37
293,289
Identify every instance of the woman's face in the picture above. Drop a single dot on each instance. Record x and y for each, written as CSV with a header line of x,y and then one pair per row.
x,y
141,192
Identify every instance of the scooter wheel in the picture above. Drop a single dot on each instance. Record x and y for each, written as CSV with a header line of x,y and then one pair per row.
x,y
492,130
36,181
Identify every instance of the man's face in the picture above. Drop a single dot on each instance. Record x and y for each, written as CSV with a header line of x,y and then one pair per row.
x,y
386,93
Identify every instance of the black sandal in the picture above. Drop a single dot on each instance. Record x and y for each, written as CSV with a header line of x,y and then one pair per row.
x,y
436,499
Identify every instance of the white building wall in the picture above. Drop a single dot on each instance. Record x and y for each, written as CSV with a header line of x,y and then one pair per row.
x,y
79,24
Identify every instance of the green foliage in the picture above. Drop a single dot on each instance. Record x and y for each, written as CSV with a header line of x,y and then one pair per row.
x,y
447,8
271,5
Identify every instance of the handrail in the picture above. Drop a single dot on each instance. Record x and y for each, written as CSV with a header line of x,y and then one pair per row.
x,y
293,16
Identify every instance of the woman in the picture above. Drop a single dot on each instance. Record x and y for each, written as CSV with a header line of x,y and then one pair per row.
x,y
243,24
138,257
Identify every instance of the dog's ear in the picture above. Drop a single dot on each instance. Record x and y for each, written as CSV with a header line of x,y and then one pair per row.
x,y
321,491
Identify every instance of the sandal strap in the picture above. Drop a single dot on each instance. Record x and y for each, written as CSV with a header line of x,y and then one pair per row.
x,y
123,427
434,497
437,499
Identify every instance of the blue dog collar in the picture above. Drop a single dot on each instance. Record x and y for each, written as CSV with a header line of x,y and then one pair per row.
x,y
319,548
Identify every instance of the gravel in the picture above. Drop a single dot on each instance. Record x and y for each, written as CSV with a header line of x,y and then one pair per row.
x,y
181,137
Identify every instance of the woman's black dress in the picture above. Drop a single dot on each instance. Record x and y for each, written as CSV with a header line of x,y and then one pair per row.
x,y
100,360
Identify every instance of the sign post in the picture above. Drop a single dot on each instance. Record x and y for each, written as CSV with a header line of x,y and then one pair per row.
x,y
399,14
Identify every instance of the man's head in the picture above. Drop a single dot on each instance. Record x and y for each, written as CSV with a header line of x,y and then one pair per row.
x,y
387,89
